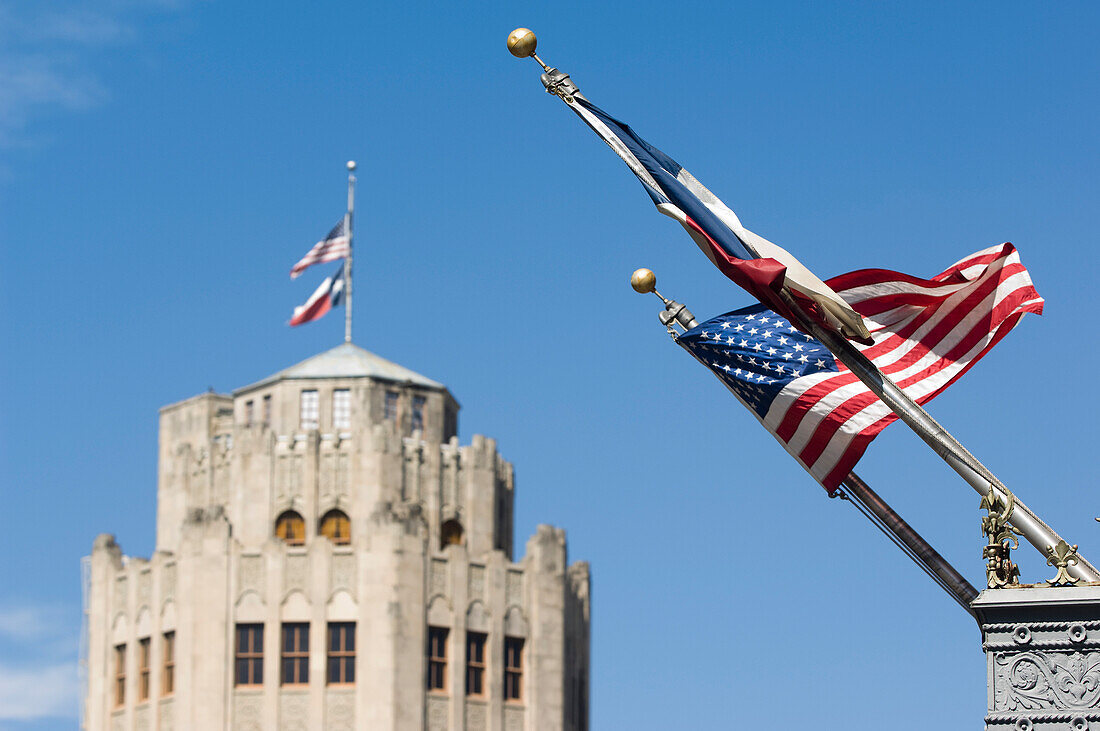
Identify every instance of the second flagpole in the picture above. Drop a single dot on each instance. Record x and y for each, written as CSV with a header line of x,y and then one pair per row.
x,y
347,262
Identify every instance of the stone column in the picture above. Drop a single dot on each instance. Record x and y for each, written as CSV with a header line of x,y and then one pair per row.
x,y
1042,646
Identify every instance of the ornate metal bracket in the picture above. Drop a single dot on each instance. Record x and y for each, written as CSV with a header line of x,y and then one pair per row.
x,y
999,569
559,84
1062,557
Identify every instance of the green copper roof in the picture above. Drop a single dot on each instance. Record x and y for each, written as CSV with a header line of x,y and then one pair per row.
x,y
347,361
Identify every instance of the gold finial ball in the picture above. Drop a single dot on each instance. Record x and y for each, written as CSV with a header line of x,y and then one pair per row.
x,y
351,165
522,42
643,281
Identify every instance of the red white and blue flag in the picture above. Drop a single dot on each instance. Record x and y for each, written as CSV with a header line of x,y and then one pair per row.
x,y
330,294
926,333
753,262
336,245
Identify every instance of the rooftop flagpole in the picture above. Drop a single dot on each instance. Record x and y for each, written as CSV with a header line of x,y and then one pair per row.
x,y
347,263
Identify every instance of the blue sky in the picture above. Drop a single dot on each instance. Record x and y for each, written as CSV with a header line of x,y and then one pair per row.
x,y
164,162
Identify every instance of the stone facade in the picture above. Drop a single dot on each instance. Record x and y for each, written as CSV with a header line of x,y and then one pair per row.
x,y
1042,648
430,546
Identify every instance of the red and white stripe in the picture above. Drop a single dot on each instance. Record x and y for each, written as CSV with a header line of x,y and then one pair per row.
x,y
926,333
323,251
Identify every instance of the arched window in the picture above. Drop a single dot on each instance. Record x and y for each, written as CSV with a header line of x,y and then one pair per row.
x,y
450,533
291,528
337,527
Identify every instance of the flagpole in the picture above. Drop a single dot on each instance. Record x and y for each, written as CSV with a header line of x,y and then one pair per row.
x,y
347,262
522,44
977,475
853,489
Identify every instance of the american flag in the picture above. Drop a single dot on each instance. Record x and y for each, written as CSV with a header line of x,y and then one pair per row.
x,y
337,245
926,334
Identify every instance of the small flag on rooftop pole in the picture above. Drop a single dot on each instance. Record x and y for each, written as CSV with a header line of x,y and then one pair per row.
x,y
336,245
330,294
927,334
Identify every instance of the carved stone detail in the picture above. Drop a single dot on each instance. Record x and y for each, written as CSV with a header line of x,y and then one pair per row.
x,y
246,712
413,452
476,717
326,479
437,580
334,474
288,476
293,711
513,719
1040,680
513,587
339,710
439,716
342,575
144,588
252,574
166,716
121,595
477,581
118,721
168,582
294,576
141,718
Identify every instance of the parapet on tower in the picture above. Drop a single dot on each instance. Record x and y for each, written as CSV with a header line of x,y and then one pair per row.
x,y
329,557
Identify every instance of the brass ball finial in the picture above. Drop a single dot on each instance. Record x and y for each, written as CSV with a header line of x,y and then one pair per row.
x,y
643,281
522,42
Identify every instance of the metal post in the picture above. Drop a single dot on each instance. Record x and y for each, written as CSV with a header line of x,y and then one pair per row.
x,y
943,573
347,262
977,475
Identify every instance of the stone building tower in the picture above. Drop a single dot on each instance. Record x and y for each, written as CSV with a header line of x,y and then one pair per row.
x,y
329,557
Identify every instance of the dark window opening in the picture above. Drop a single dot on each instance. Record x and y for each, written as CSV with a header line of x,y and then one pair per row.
x,y
294,658
513,668
291,528
450,533
437,658
341,653
248,657
475,663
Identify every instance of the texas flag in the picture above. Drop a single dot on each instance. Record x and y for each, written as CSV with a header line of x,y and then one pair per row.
x,y
330,294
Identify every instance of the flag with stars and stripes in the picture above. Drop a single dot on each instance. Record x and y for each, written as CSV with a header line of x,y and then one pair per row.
x,y
926,334
336,245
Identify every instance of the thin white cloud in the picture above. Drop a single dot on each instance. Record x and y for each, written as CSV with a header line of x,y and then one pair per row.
x,y
47,57
38,673
81,26
30,624
39,692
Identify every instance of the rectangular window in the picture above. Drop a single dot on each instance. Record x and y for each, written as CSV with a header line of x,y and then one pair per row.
x,y
249,655
168,671
418,413
295,654
120,675
475,663
143,669
308,409
513,668
248,413
341,409
267,410
391,406
341,653
437,658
